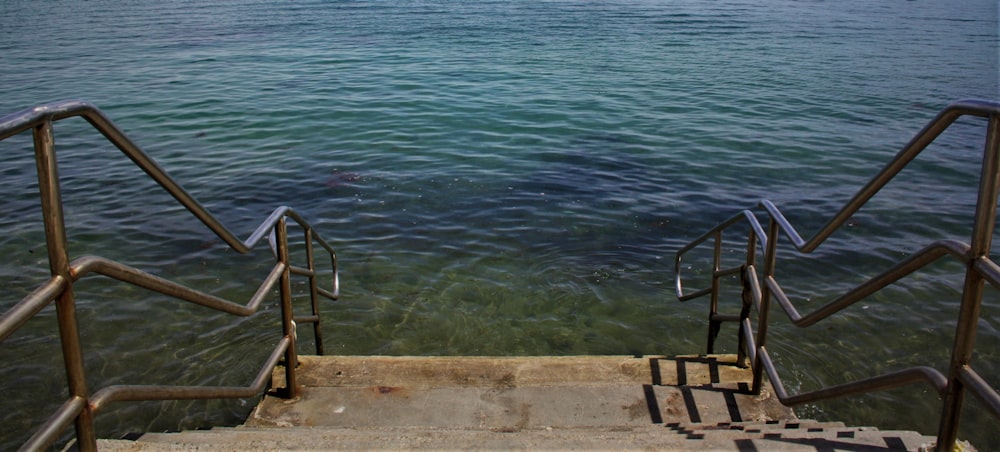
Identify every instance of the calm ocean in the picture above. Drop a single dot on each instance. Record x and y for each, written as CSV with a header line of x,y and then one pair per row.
x,y
498,177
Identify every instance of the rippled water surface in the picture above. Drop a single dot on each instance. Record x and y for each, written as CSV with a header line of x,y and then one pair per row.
x,y
498,177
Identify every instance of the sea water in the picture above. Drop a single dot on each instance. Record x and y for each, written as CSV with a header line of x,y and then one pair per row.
x,y
498,178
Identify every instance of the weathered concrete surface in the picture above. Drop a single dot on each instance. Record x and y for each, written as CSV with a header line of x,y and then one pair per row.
x,y
516,393
700,437
525,403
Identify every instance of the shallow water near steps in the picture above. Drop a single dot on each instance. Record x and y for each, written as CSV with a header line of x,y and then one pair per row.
x,y
499,178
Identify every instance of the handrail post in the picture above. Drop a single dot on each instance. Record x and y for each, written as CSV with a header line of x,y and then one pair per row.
x,y
770,259
56,243
713,308
287,316
313,289
972,292
747,298
81,406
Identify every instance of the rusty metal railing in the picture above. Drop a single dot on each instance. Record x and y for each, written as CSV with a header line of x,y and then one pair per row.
x,y
759,289
82,405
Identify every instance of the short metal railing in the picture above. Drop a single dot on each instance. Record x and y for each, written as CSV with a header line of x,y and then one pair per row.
x,y
759,283
82,405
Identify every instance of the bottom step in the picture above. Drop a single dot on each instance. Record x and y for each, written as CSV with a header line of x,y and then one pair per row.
x,y
742,437
584,402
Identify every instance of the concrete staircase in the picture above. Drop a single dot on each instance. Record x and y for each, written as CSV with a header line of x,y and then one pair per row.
x,y
750,436
593,403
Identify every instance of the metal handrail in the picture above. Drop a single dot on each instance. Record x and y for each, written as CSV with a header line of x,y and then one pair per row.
x,y
758,290
82,405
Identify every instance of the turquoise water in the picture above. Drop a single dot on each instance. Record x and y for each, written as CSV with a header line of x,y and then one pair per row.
x,y
499,177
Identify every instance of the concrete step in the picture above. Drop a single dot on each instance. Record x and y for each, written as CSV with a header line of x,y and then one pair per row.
x,y
804,435
649,437
778,424
513,393
583,402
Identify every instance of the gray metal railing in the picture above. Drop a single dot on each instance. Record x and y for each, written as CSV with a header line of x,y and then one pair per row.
x,y
758,289
82,405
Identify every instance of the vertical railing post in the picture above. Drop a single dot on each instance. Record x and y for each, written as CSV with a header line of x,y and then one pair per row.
x,y
287,316
972,292
770,259
313,290
713,307
58,253
747,299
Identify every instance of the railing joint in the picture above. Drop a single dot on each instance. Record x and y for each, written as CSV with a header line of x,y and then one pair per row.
x,y
758,291
58,289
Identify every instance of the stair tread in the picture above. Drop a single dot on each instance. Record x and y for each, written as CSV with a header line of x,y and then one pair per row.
x,y
642,437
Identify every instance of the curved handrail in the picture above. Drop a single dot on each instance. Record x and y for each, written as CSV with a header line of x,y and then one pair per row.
x,y
903,377
82,405
61,419
909,265
47,292
747,215
27,119
980,269
968,107
930,132
119,393
890,380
